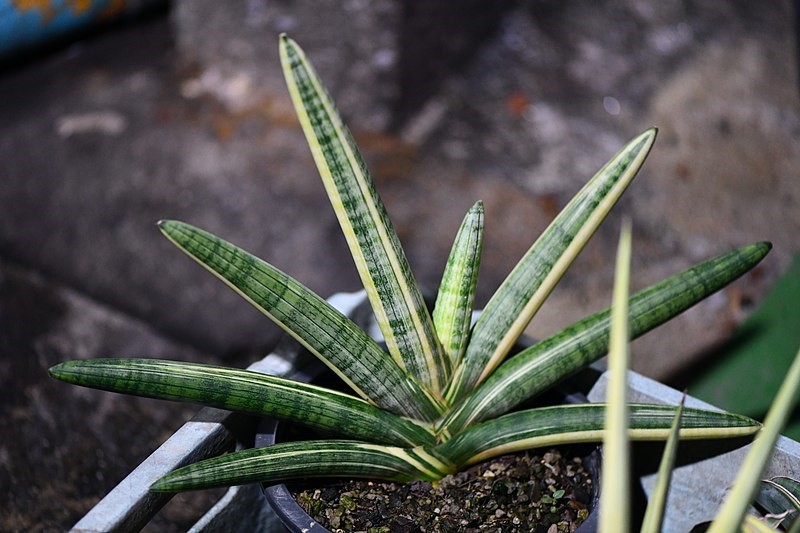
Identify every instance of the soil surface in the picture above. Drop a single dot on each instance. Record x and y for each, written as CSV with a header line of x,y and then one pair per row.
x,y
545,493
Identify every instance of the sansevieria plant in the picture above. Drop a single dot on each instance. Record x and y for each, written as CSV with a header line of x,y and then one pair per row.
x,y
442,394
780,496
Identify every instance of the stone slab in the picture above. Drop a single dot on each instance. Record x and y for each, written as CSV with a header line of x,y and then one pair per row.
x,y
381,60
98,149
62,446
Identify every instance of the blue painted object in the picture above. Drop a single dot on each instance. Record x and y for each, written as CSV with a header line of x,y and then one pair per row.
x,y
28,23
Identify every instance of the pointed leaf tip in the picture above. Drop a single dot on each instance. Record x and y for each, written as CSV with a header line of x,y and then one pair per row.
x,y
55,371
374,245
525,289
67,371
452,313
170,229
649,136
162,486
166,225
285,43
759,250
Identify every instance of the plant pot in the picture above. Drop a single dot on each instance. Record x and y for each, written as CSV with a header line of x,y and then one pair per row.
x,y
703,474
357,308
295,518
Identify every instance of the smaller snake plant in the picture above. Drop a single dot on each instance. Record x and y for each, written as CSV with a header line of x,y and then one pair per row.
x,y
779,495
444,394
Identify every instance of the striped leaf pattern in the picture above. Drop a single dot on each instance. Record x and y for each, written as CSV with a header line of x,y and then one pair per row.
x,y
779,497
394,294
511,308
534,428
293,460
327,333
452,314
572,424
404,394
247,392
549,361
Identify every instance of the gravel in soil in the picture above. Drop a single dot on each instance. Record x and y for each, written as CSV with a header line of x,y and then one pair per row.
x,y
545,493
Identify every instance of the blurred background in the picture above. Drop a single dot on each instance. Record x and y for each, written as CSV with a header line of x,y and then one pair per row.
x,y
115,114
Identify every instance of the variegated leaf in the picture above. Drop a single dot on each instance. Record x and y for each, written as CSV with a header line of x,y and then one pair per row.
x,y
385,273
654,515
526,288
549,361
327,333
247,392
293,460
571,424
452,314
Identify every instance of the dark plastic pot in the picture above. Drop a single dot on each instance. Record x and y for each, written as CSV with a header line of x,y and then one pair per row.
x,y
279,497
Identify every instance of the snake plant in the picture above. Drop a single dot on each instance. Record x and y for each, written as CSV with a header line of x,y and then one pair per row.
x,y
444,393
779,494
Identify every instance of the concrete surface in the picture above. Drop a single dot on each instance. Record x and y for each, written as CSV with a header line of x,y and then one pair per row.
x,y
63,447
103,138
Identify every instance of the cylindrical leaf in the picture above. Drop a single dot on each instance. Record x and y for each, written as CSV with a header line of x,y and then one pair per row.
x,y
293,460
569,424
385,273
654,515
526,288
452,314
244,391
741,495
615,502
326,332
536,368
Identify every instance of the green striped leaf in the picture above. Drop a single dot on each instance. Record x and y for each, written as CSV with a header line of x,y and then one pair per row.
x,y
322,329
293,460
572,424
779,497
615,506
654,515
744,488
244,391
519,297
452,314
538,367
385,273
